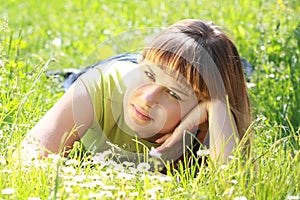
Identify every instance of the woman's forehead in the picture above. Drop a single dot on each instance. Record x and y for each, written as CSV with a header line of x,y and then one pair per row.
x,y
170,76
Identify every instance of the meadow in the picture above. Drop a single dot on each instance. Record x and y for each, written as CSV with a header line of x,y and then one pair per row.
x,y
39,36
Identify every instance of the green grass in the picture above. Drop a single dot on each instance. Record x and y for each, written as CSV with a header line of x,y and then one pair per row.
x,y
36,36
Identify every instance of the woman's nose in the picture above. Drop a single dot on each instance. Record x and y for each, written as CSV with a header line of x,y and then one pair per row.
x,y
152,95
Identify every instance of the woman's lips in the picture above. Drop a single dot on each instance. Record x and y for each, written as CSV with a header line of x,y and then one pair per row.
x,y
140,113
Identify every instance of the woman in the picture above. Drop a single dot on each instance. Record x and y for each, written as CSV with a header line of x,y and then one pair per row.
x,y
189,78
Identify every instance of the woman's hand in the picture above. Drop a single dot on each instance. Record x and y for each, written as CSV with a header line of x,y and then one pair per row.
x,y
196,119
215,116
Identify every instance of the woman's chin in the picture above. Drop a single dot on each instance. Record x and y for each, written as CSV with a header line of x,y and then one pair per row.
x,y
142,135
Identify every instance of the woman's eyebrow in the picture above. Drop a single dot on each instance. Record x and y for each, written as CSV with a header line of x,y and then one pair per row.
x,y
179,91
150,70
172,88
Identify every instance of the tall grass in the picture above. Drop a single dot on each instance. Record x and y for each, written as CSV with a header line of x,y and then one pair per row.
x,y
36,36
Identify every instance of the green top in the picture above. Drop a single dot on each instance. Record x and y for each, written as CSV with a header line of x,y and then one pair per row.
x,y
106,89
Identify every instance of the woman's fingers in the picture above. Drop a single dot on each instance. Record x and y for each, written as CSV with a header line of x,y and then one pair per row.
x,y
191,122
163,146
163,138
170,140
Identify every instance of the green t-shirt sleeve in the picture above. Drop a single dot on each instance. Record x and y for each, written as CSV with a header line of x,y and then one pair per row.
x,y
93,82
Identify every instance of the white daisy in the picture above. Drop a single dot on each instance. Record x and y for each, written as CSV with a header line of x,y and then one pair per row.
x,y
153,152
72,162
8,191
240,198
143,167
125,176
203,152
69,170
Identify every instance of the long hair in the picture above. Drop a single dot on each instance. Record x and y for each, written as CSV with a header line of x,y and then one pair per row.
x,y
209,61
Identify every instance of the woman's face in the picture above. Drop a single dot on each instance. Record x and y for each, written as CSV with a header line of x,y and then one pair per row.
x,y
154,102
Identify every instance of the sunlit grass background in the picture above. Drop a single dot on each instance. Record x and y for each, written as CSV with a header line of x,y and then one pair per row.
x,y
267,33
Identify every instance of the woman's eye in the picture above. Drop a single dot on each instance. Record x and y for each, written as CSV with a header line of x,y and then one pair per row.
x,y
174,95
150,75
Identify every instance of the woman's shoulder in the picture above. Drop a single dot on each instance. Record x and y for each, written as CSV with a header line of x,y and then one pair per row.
x,y
113,71
121,67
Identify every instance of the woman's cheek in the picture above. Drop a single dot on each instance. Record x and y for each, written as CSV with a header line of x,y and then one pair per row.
x,y
173,118
176,112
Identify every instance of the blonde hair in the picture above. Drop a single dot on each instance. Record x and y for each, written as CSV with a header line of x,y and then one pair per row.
x,y
209,61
